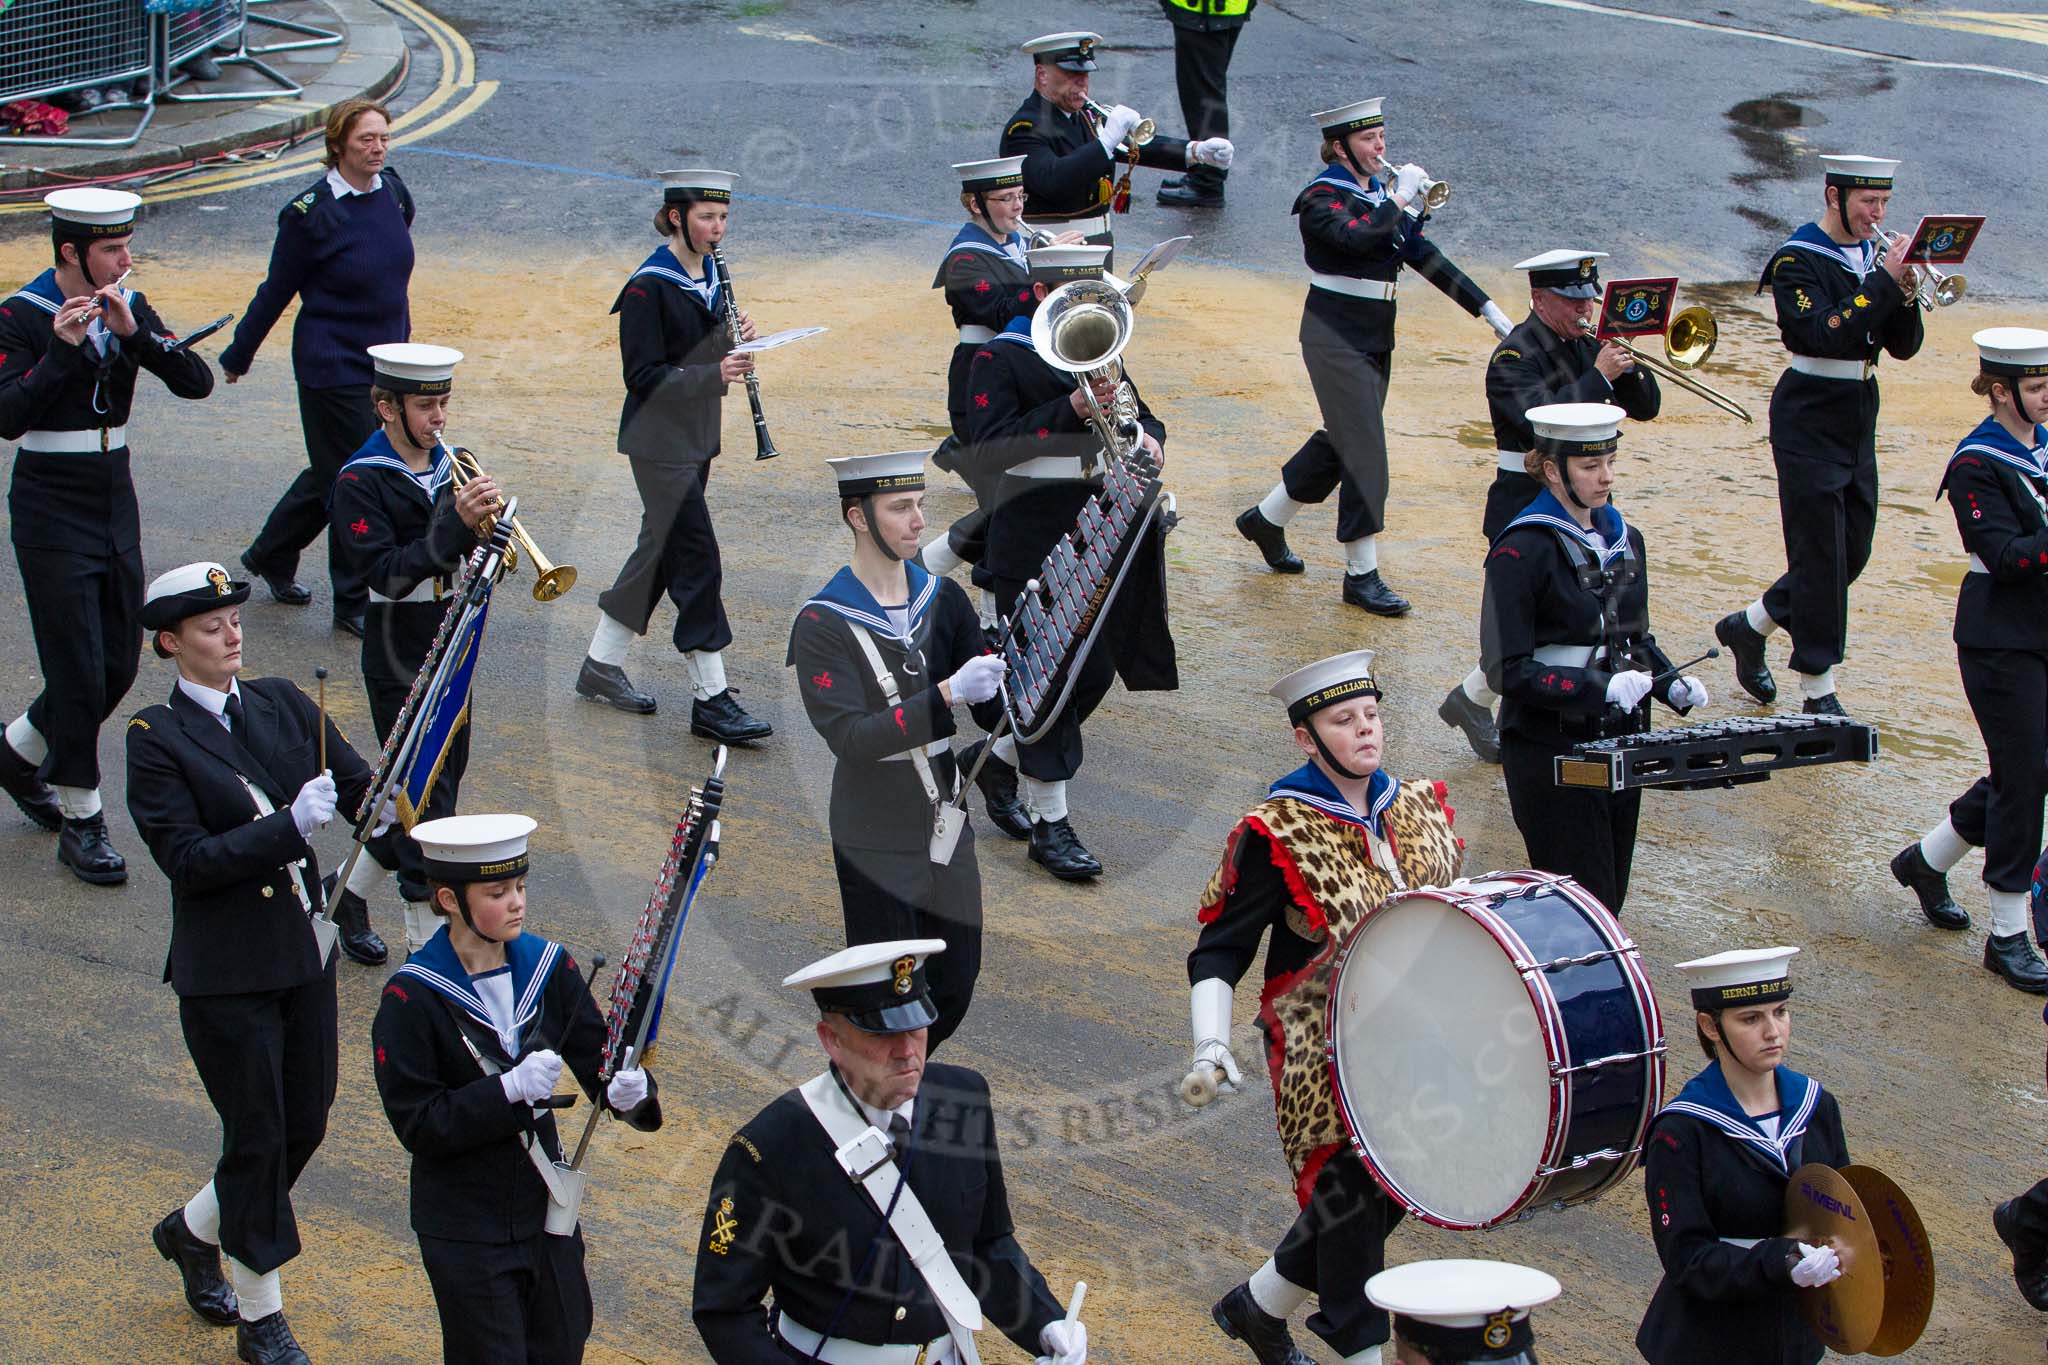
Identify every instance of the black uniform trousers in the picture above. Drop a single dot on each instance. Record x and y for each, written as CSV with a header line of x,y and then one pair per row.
x,y
891,894
268,1063
1349,452
1589,836
1055,756
1201,74
677,552
336,422
1337,1243
81,609
1827,505
512,1303
387,680
2008,694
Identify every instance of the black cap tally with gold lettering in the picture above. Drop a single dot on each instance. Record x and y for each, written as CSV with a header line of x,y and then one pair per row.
x,y
1351,118
879,987
1741,976
1576,428
1326,682
474,848
698,186
91,212
996,173
1056,265
900,471
411,367
1859,172
2018,352
1463,1310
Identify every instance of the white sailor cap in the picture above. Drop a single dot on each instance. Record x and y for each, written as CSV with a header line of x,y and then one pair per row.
x,y
93,212
1741,976
1568,273
996,173
2016,351
186,591
697,186
1859,172
1076,261
1463,1310
474,848
1068,51
1576,428
411,367
879,987
1326,682
899,471
1349,118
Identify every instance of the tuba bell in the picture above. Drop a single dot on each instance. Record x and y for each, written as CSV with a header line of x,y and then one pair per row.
x,y
550,580
1082,327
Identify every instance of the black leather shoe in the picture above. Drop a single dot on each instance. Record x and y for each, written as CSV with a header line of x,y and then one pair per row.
x,y
283,587
997,781
608,683
1370,591
1173,182
201,68
724,720
1056,848
1188,196
1752,670
38,801
83,847
350,625
206,1290
1271,540
1830,705
1241,1319
1911,870
2013,958
352,917
268,1341
1461,712
2029,1256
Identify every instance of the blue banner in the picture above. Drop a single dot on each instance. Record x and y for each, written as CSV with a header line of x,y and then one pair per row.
x,y
441,716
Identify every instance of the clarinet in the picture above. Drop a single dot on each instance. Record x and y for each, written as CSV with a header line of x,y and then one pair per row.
x,y
764,444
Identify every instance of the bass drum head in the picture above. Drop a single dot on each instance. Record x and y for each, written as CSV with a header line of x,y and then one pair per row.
x,y
1440,1062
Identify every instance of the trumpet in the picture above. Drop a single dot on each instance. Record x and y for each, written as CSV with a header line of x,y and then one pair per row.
x,y
1138,136
1687,343
1932,287
550,580
1433,193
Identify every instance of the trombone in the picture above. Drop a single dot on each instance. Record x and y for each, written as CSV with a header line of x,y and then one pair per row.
x,y
1433,193
1143,133
550,580
1687,344
1932,287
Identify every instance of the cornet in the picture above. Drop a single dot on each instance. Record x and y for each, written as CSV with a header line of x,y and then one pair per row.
x,y
1433,193
1932,287
550,580
1143,133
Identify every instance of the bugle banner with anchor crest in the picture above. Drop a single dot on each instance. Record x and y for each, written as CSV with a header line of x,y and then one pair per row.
x,y
633,1019
1648,307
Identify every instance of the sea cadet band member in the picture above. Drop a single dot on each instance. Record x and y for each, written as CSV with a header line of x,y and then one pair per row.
x,y
1565,633
883,653
1548,358
225,787
1361,220
1840,305
403,529
1715,1166
676,349
2022,1224
784,1219
1995,484
71,341
1454,1312
1028,434
1303,868
1072,152
470,1035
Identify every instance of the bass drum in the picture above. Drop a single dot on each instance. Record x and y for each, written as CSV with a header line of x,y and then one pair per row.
x,y
1495,1048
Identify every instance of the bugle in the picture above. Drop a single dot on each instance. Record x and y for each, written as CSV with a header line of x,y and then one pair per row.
x,y
1687,343
1932,286
764,444
1143,132
1434,194
550,580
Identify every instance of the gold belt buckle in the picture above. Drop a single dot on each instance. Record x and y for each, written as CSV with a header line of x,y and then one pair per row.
x,y
104,433
922,1351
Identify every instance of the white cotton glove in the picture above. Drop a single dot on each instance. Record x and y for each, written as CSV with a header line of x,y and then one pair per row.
x,y
1212,151
533,1080
1408,181
1117,127
1209,1009
1065,1343
1688,692
1628,689
1820,1266
978,678
628,1088
314,805
387,816
1491,315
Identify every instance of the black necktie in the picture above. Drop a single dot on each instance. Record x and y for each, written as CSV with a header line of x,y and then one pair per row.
x,y
234,711
899,1136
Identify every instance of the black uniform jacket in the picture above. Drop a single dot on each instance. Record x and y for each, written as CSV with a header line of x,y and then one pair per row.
x,y
1997,487
1720,1303
1067,174
82,503
236,924
393,536
1357,231
987,283
1535,597
1533,366
1834,303
877,801
472,1177
783,1218
672,334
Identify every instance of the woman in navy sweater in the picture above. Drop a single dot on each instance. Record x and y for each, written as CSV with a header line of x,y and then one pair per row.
x,y
344,247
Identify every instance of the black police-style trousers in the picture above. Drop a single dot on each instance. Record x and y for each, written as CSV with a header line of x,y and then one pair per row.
x,y
510,1303
1337,1243
1827,506
2008,694
268,1063
1348,452
81,610
393,647
1589,836
890,894
336,422
1201,73
1056,755
677,553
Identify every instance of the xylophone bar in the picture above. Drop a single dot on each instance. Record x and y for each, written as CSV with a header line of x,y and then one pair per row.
x,y
1716,754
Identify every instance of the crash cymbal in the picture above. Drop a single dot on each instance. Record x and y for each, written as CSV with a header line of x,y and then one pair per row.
x,y
1821,1206
1908,1259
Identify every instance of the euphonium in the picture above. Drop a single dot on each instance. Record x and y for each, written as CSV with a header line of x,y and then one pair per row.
x,y
1082,327
550,580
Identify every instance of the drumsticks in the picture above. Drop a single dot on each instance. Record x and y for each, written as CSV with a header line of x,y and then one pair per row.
x,y
1074,1303
1198,1087
320,677
1668,674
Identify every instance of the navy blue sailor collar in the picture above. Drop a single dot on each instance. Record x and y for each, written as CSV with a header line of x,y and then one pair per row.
x,y
1857,258
1017,330
378,453
1546,511
1706,1097
662,262
974,237
1312,786
45,293
1991,439
530,957
850,598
